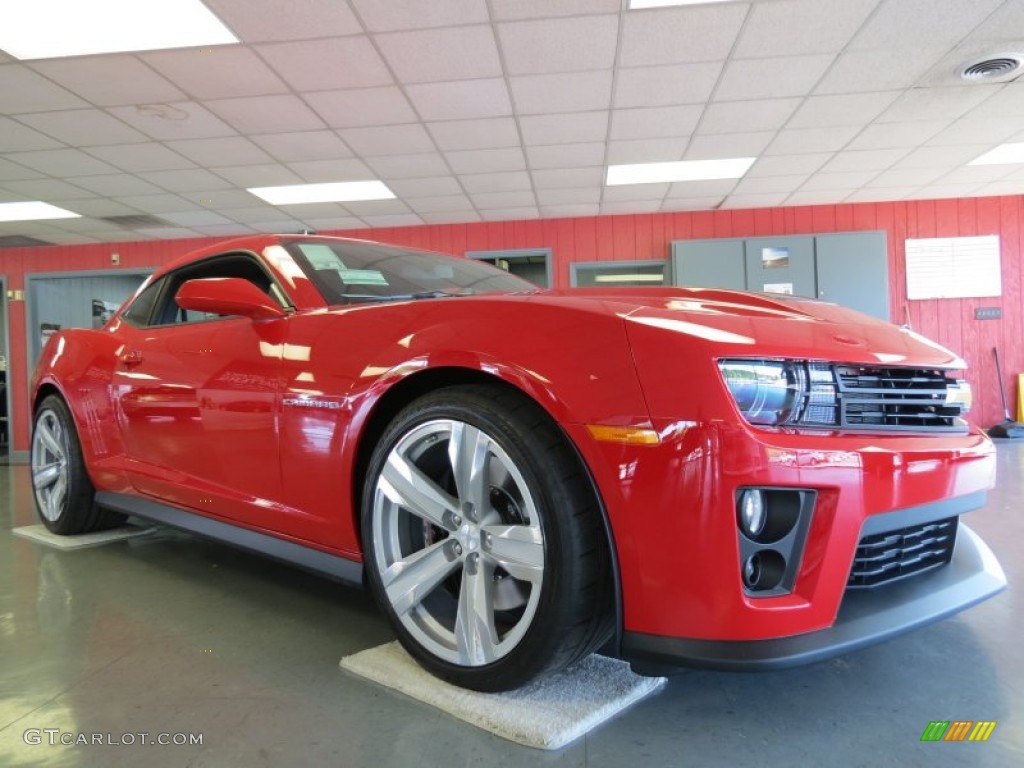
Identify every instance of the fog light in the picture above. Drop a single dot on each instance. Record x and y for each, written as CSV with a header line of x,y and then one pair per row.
x,y
752,512
752,571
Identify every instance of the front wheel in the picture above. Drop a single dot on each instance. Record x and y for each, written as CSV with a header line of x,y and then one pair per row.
x,y
483,540
63,492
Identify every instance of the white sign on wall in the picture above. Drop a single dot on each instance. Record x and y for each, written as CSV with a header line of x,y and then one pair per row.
x,y
953,267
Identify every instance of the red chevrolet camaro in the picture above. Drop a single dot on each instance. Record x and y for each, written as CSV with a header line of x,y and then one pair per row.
x,y
523,476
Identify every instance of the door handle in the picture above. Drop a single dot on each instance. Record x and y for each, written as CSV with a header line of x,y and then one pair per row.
x,y
130,356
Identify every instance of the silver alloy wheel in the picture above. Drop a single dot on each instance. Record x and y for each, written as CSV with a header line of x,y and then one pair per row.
x,y
50,464
458,542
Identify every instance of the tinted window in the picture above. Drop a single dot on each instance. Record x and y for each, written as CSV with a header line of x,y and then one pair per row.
x,y
142,306
347,272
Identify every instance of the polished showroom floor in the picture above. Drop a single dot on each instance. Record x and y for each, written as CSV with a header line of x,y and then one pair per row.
x,y
170,634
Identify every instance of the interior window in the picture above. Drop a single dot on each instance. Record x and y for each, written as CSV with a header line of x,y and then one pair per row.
x,y
232,265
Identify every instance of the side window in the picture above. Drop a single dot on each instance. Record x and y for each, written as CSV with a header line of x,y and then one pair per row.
x,y
231,265
142,307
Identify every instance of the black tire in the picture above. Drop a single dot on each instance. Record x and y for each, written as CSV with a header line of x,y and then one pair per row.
x,y
63,492
480,559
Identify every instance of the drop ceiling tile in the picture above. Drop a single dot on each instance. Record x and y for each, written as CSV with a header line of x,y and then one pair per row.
x,y
561,178
97,207
27,91
376,207
62,162
646,150
787,26
70,239
894,135
510,214
634,192
258,21
936,103
314,210
795,141
388,139
712,188
761,185
910,23
362,106
15,137
941,156
440,203
437,55
630,206
788,165
580,196
437,186
848,180
279,225
939,191
767,200
570,210
748,79
747,116
83,127
852,160
182,120
415,14
224,230
221,72
303,145
465,99
233,150
509,181
882,70
168,233
335,223
973,174
1009,101
266,114
192,180
266,175
1008,187
485,201
657,122
117,185
317,171
142,157
158,204
486,160
1004,24
110,80
667,85
887,194
451,217
195,218
394,220
327,64
224,199
905,177
971,130
488,133
571,92
715,147
841,109
12,171
559,45
417,165
818,197
535,9
566,155
674,35
572,128
48,189
254,214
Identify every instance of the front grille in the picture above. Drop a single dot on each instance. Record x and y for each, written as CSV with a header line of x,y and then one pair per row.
x,y
886,399
882,558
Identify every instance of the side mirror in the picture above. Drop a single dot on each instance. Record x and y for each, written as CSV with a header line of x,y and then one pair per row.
x,y
227,296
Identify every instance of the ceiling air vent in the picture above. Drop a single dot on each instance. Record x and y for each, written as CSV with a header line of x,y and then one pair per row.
x,y
992,69
135,221
20,241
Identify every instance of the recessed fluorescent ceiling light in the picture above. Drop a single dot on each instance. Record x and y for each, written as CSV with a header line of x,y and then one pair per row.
x,y
34,210
338,192
664,3
683,170
1004,153
43,29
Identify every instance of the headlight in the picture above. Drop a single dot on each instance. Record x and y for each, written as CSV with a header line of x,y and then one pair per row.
x,y
765,391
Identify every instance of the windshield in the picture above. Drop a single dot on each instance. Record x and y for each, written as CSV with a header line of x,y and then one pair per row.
x,y
347,272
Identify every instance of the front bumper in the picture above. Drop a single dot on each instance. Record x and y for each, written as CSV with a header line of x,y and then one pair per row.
x,y
865,617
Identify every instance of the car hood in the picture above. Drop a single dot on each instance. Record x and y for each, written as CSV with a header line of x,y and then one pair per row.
x,y
763,325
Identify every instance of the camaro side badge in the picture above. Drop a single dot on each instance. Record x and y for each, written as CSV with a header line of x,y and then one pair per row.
x,y
305,402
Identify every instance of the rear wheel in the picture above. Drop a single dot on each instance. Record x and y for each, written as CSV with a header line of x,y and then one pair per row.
x,y
63,492
483,539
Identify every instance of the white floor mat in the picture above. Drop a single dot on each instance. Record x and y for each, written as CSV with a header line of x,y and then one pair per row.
x,y
547,714
40,534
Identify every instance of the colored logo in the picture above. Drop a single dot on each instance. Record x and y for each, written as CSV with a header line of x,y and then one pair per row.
x,y
958,730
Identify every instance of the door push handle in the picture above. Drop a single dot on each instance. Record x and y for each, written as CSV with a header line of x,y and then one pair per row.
x,y
130,356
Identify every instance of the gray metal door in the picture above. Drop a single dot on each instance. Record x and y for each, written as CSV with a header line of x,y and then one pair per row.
x,y
781,265
708,264
853,270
